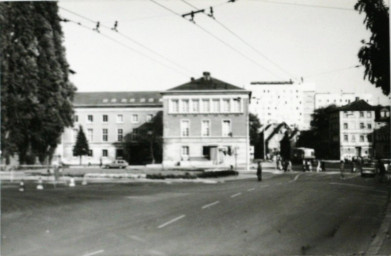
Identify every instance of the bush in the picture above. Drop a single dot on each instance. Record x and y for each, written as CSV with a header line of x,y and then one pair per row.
x,y
217,174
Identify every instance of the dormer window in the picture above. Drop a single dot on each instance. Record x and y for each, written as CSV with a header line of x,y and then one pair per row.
x,y
113,100
150,100
105,100
142,100
132,100
124,100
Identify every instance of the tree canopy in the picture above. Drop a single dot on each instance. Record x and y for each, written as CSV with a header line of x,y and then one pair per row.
x,y
36,102
375,54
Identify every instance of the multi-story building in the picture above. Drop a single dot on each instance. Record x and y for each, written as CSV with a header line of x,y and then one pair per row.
x,y
206,121
277,102
339,99
106,118
351,130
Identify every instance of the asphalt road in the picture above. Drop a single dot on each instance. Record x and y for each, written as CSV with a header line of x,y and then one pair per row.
x,y
288,214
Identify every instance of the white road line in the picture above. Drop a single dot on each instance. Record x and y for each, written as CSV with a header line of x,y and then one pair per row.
x,y
209,205
94,253
136,238
296,177
237,194
250,189
171,221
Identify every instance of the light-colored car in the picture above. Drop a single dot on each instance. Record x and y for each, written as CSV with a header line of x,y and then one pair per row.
x,y
119,163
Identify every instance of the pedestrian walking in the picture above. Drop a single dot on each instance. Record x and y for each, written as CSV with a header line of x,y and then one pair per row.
x,y
259,171
342,168
318,167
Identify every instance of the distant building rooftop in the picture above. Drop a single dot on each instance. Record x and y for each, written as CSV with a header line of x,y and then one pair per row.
x,y
205,83
117,99
357,105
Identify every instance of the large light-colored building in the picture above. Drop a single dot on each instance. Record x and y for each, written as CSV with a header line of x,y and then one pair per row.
x,y
206,122
277,102
106,118
351,130
339,99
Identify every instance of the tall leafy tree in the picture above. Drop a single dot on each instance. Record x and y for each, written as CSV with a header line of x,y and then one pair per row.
x,y
375,54
81,147
36,100
318,136
255,138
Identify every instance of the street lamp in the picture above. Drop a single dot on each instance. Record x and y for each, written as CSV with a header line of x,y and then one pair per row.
x,y
150,133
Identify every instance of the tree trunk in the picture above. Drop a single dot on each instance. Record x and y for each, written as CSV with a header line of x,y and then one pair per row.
x,y
80,159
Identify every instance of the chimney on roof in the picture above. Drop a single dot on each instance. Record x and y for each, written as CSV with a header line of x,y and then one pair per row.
x,y
206,75
192,79
357,99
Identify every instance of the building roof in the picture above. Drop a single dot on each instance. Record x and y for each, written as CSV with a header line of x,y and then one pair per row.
x,y
118,99
206,83
358,105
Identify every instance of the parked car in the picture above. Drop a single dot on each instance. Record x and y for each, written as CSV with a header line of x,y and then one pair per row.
x,y
119,163
368,168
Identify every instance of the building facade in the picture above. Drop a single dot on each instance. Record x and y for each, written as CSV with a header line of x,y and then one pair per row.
x,y
106,118
351,130
206,122
277,102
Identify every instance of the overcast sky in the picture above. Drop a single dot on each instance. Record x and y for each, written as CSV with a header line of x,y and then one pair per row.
x,y
156,49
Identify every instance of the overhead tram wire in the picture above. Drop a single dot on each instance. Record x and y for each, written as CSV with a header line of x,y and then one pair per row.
x,y
243,41
133,41
308,5
218,39
125,46
333,71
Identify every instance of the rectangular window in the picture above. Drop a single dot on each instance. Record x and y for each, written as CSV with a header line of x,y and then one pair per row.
x,y
105,152
345,126
120,134
206,105
149,117
226,107
345,137
236,105
120,118
89,135
361,113
185,128
90,118
216,105
90,152
369,114
134,118
369,126
353,138
174,106
362,139
362,126
185,106
105,134
345,113
76,118
195,106
105,118
185,150
205,128
226,128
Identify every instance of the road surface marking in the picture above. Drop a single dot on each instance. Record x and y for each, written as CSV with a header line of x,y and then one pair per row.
x,y
296,177
93,253
171,221
136,238
235,195
250,189
209,205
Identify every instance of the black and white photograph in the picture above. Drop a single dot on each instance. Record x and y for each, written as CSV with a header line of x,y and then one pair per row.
x,y
195,127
